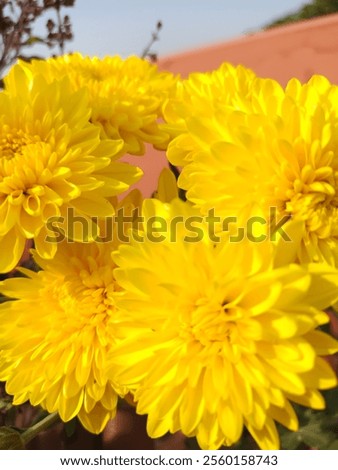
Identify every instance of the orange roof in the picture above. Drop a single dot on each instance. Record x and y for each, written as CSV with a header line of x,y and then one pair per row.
x,y
296,50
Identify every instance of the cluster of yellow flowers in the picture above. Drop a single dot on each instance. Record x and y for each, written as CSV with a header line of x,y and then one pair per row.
x,y
208,322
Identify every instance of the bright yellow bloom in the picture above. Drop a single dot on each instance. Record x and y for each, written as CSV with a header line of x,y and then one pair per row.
x,y
278,154
231,338
51,160
126,96
204,95
56,337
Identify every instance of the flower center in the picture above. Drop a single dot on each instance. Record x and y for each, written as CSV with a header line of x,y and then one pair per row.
x,y
210,322
312,197
87,297
12,142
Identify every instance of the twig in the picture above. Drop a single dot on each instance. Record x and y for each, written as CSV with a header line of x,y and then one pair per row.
x,y
154,37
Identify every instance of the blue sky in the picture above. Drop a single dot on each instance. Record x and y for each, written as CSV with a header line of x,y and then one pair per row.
x,y
124,27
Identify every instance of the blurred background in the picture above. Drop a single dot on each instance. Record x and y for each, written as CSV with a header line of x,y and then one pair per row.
x,y
276,39
123,27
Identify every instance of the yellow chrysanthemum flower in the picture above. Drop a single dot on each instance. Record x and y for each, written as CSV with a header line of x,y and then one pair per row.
x,y
278,155
204,95
52,160
231,338
56,356
126,95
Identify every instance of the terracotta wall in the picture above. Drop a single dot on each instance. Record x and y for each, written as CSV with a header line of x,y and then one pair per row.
x,y
299,50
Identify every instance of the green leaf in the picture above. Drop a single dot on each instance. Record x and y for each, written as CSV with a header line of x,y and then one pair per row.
x,y
333,445
317,429
10,439
314,437
291,440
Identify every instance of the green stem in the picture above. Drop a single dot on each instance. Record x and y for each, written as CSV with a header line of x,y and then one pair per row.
x,y
42,425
